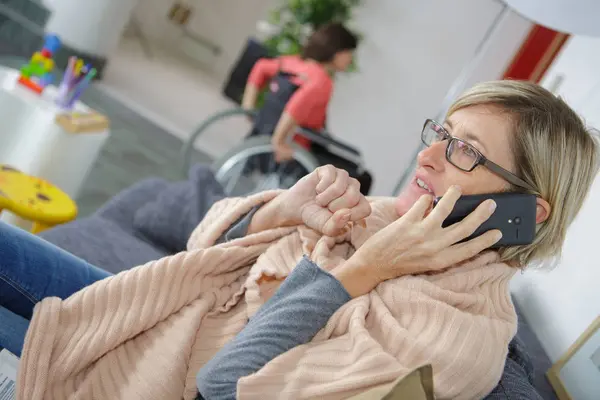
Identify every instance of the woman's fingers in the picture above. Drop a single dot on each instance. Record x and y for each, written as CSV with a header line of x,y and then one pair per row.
x,y
361,211
444,207
353,200
349,199
335,190
336,223
283,152
465,228
418,210
326,174
463,251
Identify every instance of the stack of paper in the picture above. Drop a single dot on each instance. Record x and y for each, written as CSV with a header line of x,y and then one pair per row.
x,y
9,364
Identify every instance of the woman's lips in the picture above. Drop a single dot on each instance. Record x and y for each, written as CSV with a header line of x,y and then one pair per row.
x,y
419,181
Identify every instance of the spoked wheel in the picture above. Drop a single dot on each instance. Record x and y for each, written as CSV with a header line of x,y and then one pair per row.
x,y
250,167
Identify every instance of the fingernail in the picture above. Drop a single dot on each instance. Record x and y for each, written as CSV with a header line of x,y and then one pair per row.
x,y
492,205
458,188
346,215
498,236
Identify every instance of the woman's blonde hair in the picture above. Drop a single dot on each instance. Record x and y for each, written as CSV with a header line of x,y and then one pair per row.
x,y
554,152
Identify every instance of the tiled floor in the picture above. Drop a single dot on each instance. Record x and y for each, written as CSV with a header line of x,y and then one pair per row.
x,y
173,93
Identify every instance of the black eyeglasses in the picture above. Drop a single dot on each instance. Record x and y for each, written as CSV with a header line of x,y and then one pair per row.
x,y
463,155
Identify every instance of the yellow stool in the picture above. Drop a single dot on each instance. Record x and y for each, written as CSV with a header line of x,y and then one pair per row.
x,y
34,199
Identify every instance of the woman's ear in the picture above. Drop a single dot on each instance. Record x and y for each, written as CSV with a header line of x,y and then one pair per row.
x,y
542,210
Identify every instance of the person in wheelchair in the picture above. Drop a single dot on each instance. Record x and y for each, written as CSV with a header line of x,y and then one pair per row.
x,y
300,88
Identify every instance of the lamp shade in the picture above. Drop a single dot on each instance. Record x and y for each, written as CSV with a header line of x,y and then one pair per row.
x,y
577,17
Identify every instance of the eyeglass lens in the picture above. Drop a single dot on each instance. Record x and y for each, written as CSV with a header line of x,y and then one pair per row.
x,y
460,153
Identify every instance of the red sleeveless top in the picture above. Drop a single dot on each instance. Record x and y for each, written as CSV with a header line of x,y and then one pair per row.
x,y
308,105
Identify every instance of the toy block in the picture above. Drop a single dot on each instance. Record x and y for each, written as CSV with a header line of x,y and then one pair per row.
x,y
46,79
49,64
37,57
51,43
36,74
41,66
37,70
46,63
26,71
28,83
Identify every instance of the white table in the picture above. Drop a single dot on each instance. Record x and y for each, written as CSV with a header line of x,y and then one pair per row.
x,y
32,142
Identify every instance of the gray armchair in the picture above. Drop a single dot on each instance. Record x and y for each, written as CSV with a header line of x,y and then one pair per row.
x,y
145,222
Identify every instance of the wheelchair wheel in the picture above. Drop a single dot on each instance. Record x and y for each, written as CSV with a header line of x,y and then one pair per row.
x,y
250,167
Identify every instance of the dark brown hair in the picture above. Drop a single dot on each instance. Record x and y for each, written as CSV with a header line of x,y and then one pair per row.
x,y
328,40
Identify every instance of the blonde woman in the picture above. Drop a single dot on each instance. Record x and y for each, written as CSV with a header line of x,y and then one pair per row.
x,y
382,288
541,146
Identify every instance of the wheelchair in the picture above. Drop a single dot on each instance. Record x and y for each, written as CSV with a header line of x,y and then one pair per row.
x,y
250,166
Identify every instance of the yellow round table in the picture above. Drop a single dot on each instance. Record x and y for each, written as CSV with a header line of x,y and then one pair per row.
x,y
34,199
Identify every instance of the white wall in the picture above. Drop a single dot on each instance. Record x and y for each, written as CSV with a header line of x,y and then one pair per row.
x,y
226,23
411,54
560,304
92,26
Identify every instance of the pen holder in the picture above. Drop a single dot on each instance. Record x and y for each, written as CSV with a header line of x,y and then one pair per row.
x,y
62,97
76,79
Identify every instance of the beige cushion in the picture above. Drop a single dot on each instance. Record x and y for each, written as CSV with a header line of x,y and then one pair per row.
x,y
418,385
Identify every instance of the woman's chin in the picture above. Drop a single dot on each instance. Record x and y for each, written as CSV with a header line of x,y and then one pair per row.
x,y
404,202
408,197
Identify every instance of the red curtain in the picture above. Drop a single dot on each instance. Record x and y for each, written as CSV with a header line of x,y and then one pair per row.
x,y
536,54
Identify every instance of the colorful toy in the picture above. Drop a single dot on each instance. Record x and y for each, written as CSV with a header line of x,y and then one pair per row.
x,y
37,74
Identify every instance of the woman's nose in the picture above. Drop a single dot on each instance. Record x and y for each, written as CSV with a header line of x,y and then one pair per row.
x,y
433,156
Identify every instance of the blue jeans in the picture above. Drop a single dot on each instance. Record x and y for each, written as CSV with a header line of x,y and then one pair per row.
x,y
30,270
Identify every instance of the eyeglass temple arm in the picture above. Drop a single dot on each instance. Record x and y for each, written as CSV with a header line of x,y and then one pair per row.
x,y
509,176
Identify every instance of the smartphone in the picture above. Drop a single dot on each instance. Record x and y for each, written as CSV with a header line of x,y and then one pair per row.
x,y
514,216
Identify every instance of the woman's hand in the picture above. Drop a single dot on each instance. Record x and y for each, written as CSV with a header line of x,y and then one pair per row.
x,y
283,152
283,130
326,200
417,243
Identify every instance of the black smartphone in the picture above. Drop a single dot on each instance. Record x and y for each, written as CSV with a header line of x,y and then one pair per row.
x,y
514,216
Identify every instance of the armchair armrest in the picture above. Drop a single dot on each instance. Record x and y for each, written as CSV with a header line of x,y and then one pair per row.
x,y
121,208
335,146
